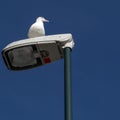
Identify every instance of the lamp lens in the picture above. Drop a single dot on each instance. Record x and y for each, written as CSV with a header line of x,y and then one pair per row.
x,y
22,56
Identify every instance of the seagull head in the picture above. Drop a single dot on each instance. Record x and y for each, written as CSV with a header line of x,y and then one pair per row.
x,y
41,19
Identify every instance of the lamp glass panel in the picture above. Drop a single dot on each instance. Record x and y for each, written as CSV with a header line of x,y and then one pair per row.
x,y
21,57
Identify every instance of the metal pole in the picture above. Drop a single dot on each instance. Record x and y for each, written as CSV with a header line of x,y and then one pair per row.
x,y
67,84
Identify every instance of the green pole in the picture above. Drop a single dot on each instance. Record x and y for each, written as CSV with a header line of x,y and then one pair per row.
x,y
67,84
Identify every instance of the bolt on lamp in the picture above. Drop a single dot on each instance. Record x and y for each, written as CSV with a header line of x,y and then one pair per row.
x,y
33,52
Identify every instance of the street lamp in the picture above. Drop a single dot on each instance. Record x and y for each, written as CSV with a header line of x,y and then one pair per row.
x,y
33,52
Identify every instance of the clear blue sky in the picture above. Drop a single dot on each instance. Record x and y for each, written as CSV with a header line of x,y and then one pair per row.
x,y
37,94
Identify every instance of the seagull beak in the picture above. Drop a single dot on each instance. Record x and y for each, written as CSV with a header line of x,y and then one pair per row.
x,y
46,20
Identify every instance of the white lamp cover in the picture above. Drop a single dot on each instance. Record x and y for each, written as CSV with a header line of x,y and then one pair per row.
x,y
29,53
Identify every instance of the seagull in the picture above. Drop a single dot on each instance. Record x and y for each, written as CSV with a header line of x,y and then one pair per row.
x,y
37,28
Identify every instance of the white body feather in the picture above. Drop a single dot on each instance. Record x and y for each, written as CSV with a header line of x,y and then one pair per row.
x,y
37,29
